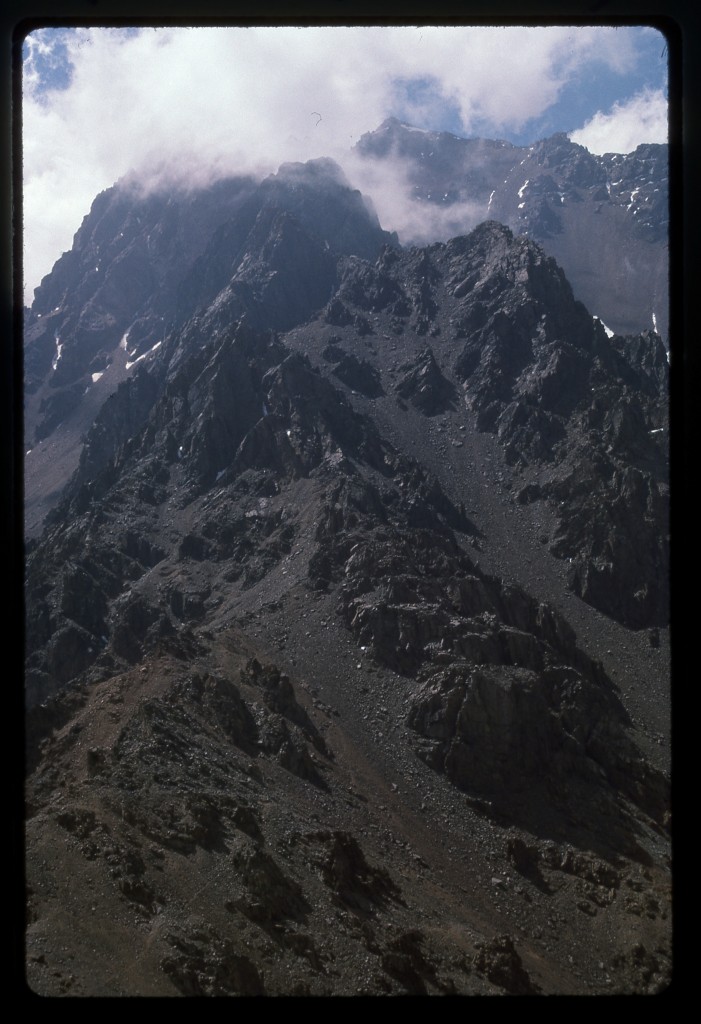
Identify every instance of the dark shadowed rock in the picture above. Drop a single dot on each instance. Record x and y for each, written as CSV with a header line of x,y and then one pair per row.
x,y
424,385
499,961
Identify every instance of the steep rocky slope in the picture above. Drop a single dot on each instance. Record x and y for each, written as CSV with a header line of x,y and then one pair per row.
x,y
142,265
347,658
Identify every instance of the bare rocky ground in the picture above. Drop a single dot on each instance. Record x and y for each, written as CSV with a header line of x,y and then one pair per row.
x,y
348,677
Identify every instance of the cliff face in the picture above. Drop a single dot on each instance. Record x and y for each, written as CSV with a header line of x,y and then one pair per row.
x,y
142,266
346,641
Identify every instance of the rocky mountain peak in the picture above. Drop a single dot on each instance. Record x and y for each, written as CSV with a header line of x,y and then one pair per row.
x,y
322,171
604,219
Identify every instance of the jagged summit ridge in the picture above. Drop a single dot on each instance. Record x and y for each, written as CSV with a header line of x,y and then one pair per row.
x,y
604,218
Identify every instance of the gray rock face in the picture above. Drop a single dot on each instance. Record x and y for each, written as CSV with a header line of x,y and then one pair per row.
x,y
509,730
424,385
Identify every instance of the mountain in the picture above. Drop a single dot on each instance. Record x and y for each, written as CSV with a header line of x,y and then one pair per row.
x,y
605,219
347,645
141,265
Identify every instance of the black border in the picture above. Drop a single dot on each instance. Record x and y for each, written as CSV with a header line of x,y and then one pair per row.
x,y
681,27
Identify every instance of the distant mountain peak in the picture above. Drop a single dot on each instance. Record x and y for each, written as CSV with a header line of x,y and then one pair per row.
x,y
605,219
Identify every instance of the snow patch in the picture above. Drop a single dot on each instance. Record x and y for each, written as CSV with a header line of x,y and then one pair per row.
x,y
609,332
96,377
523,188
59,347
490,199
138,360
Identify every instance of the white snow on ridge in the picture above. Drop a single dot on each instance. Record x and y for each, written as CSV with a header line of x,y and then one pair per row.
x,y
123,342
654,322
523,188
138,360
609,332
96,377
490,199
59,346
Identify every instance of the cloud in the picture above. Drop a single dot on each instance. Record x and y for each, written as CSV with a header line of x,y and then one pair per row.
x,y
642,118
416,222
190,105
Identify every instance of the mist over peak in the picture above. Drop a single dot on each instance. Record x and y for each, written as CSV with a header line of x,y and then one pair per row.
x,y
317,171
586,210
188,106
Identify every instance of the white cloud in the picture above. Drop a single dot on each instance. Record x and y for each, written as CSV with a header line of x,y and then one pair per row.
x,y
416,222
204,103
642,118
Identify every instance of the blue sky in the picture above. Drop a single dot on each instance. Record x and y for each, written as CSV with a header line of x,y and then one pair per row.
x,y
181,106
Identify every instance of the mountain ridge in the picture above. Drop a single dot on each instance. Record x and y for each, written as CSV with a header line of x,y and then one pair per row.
x,y
347,645
605,219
